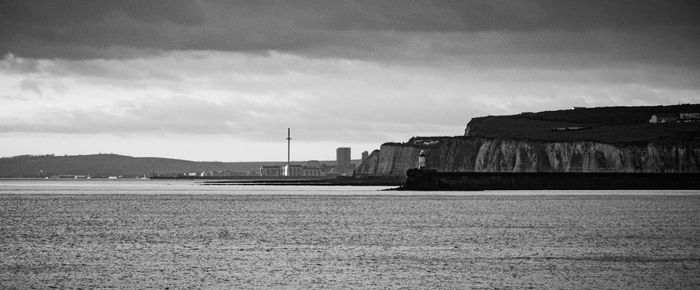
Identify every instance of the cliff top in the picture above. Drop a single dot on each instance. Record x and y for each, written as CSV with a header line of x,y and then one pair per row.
x,y
604,124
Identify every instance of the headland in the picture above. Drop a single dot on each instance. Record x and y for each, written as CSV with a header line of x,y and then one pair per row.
x,y
583,148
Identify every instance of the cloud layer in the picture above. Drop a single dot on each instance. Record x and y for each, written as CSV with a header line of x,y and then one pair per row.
x,y
339,72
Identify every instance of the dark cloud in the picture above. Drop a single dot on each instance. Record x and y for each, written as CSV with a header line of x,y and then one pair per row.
x,y
573,15
88,29
116,29
77,12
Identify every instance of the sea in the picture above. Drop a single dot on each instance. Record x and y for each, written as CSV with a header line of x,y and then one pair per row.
x,y
173,234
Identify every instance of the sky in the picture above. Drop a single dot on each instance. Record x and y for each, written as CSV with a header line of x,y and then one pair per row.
x,y
222,80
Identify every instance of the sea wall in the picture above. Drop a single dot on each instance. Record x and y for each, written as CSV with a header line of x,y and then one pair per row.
x,y
475,154
430,179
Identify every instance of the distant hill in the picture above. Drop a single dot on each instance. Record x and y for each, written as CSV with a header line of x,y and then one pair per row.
x,y
604,124
113,164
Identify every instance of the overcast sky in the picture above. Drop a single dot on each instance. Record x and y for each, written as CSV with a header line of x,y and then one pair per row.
x,y
223,80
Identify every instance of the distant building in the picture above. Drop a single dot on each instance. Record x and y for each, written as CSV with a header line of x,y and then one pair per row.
x,y
426,141
293,170
365,154
342,157
689,117
270,170
570,128
663,118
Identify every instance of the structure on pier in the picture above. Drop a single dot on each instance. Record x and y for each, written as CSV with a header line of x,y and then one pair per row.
x,y
288,170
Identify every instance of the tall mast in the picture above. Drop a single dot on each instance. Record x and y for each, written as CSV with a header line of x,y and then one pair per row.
x,y
289,140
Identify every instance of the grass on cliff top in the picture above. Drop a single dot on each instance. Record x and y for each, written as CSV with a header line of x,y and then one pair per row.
x,y
609,115
607,125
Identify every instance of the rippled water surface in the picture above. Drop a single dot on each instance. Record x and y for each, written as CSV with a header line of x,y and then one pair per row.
x,y
179,234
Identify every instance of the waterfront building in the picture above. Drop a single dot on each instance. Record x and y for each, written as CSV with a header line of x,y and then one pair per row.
x,y
270,170
311,171
293,170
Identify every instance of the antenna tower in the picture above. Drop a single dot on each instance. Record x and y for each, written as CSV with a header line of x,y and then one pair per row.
x,y
289,141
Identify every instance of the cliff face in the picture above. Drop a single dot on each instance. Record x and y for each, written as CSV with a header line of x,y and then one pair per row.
x,y
478,154
606,139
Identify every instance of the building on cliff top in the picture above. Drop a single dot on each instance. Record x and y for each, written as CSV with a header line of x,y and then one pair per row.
x,y
689,117
663,118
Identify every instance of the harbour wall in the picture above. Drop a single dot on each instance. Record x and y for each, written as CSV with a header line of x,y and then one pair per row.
x,y
430,179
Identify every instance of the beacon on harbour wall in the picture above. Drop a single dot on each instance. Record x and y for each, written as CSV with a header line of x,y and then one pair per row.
x,y
421,160
287,170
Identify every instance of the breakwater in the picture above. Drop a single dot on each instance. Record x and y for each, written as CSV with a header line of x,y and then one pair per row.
x,y
306,181
430,179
